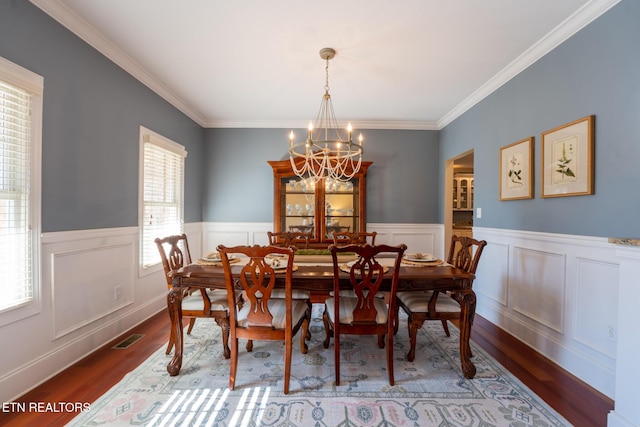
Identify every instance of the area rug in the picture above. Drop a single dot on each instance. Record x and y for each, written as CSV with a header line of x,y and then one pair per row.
x,y
431,391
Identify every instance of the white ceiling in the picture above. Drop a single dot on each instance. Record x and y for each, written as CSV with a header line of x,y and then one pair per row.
x,y
412,64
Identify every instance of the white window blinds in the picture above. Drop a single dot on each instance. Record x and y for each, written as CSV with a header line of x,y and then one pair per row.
x,y
163,176
16,260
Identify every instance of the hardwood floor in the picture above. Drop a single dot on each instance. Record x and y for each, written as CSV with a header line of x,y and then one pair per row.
x,y
93,376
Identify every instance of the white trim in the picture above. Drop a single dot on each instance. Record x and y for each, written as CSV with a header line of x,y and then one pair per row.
x,y
58,10
149,136
34,83
21,77
574,23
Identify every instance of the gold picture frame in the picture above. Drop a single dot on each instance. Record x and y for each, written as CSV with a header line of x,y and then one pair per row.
x,y
568,159
516,170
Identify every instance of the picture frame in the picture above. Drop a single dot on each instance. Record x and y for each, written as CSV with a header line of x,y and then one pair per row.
x,y
516,170
568,159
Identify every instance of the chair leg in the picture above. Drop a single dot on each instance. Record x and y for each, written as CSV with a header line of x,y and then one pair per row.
x,y
250,346
445,327
171,342
381,341
287,362
390,358
171,337
192,322
336,355
414,326
305,329
327,330
308,334
224,326
234,363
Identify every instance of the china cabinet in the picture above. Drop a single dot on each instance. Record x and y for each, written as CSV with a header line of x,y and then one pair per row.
x,y
320,208
463,192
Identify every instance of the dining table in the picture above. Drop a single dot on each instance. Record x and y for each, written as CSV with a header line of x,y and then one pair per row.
x,y
315,275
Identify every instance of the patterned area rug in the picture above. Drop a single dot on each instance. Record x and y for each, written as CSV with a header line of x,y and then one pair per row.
x,y
431,391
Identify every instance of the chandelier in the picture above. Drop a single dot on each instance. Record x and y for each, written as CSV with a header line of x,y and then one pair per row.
x,y
328,153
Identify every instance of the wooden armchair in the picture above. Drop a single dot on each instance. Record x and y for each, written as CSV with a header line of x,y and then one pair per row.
x,y
464,253
357,310
263,317
289,238
354,238
174,251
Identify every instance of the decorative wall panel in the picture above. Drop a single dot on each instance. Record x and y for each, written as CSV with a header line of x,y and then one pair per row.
x,y
538,286
90,283
598,289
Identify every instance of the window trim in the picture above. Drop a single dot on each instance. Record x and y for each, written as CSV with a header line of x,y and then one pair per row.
x,y
33,83
149,136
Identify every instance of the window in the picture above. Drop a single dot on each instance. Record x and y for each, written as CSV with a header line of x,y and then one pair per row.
x,y
161,192
20,141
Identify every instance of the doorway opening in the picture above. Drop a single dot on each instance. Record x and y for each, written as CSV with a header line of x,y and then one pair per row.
x,y
458,197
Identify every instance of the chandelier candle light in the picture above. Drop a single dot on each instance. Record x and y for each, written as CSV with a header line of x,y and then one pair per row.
x,y
328,154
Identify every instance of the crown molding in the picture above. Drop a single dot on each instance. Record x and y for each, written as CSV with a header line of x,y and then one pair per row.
x,y
289,124
74,23
574,23
581,18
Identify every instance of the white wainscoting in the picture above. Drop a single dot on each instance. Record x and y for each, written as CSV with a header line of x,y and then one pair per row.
x,y
557,293
81,308
426,238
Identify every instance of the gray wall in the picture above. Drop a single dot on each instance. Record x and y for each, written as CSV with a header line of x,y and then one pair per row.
x,y
597,71
92,110
92,113
402,183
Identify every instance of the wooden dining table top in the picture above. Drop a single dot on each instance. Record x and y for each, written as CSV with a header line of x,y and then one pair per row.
x,y
318,276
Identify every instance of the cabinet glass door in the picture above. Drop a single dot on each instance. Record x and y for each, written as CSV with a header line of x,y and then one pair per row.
x,y
455,193
298,198
464,193
341,208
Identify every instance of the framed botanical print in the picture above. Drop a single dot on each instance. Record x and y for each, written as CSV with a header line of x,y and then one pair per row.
x,y
516,170
568,159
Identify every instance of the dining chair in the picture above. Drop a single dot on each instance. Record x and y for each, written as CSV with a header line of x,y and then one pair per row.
x,y
263,317
358,311
354,237
464,253
298,240
174,252
289,238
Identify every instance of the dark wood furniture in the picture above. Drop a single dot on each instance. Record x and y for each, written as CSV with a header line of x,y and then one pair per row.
x,y
320,208
200,302
358,310
464,253
319,281
354,237
289,238
261,316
